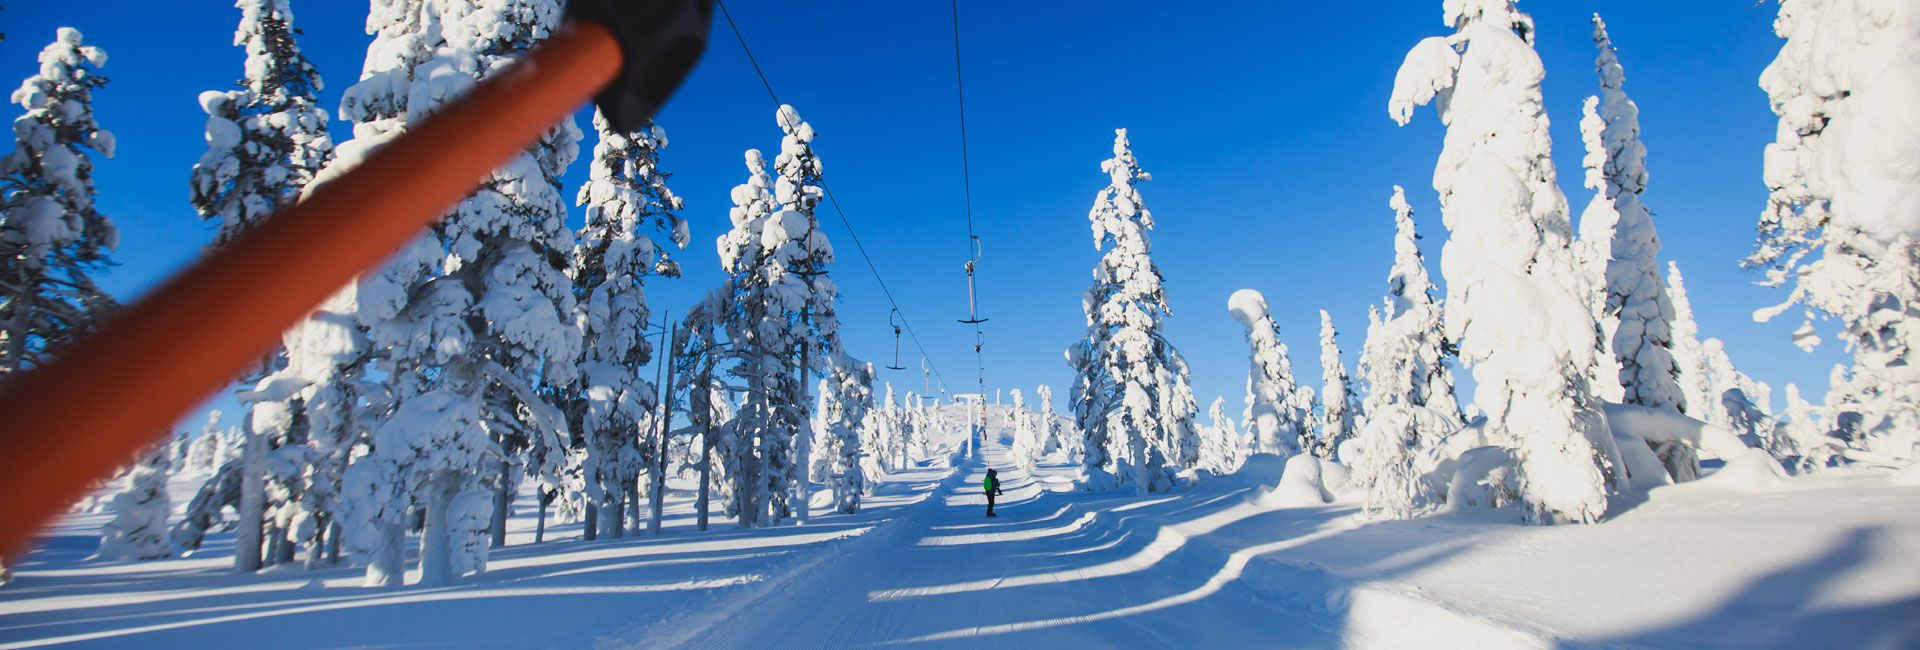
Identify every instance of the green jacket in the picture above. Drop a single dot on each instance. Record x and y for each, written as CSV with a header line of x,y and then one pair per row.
x,y
989,484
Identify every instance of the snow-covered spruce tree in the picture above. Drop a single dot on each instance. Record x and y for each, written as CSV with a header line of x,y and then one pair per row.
x,y
1841,225
138,530
203,452
1047,429
1515,299
52,237
1220,444
1279,410
266,140
848,394
1689,359
1409,403
628,203
799,190
893,444
1025,445
759,321
469,318
1803,438
1620,247
1129,385
1340,412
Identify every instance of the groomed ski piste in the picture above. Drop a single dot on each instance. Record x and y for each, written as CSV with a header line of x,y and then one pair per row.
x,y
1728,561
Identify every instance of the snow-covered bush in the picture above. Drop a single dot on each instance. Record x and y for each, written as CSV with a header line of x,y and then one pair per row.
x,y
138,530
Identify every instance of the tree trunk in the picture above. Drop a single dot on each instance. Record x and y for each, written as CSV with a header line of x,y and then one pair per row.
x,y
387,568
658,473
706,474
591,526
253,500
502,497
333,543
540,527
436,539
803,444
316,549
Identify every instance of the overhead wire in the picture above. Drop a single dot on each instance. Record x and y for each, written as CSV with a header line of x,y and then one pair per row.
x,y
966,185
835,202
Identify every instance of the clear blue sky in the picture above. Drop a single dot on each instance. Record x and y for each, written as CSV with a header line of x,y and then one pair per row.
x,y
1264,125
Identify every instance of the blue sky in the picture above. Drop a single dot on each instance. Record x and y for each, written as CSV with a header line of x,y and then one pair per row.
x,y
1264,125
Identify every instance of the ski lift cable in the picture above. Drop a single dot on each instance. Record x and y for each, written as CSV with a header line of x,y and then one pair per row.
x,y
835,202
973,235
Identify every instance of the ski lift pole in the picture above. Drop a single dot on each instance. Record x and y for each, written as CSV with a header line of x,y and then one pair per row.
x,y
98,402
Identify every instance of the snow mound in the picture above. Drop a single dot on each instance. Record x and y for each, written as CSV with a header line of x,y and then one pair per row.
x,y
1909,477
1300,485
1751,471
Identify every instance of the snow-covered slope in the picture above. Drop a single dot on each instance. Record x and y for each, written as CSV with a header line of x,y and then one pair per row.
x,y
1826,561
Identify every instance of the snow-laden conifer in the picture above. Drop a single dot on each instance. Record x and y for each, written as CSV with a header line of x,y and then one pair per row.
x,y
1515,300
631,218
1842,225
52,236
1279,410
1047,427
1025,445
470,318
1410,403
138,530
1220,440
267,139
1130,395
1340,414
1620,249
847,395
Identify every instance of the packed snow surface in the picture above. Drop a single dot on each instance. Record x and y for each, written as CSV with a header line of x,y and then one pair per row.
x,y
1749,560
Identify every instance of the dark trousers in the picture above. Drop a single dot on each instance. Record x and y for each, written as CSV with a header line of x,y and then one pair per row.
x,y
990,496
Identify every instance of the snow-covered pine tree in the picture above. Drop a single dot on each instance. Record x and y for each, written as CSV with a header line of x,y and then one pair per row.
x,y
799,190
138,530
1803,438
1048,429
1840,226
468,318
1515,299
266,140
848,394
52,237
1340,415
781,305
628,205
1688,357
893,439
203,453
1279,410
1621,247
764,293
1025,445
1129,385
1220,444
1409,403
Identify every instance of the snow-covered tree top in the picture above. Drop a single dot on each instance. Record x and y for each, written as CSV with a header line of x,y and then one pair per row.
x,y
1119,202
1407,283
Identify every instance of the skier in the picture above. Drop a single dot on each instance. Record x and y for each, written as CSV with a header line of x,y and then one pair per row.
x,y
992,486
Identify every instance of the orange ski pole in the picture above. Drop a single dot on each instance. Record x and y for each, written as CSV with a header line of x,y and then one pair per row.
x,y
99,402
